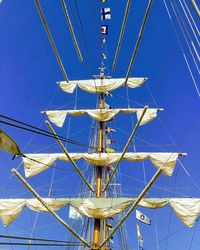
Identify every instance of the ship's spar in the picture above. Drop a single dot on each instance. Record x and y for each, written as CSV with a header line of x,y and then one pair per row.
x,y
187,209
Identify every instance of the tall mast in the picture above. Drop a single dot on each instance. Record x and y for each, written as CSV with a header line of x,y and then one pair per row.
x,y
97,222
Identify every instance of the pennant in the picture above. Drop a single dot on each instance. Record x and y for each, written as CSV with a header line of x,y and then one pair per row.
x,y
108,94
105,13
73,214
108,177
143,218
110,150
103,40
109,168
109,130
109,141
140,238
104,29
109,226
104,56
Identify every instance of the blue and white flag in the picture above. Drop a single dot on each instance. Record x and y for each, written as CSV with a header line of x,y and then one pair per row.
x,y
105,13
104,29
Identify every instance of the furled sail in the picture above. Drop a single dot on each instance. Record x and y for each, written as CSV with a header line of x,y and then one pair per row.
x,y
100,85
102,115
8,144
36,163
187,209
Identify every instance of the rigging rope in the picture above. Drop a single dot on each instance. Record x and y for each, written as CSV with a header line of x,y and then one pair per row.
x,y
42,131
182,27
182,50
189,22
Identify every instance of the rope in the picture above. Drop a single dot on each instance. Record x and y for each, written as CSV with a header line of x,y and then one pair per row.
x,y
195,228
189,22
181,47
191,17
180,19
42,131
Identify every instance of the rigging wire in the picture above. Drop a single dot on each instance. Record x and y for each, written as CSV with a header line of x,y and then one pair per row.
x,y
195,228
188,10
170,215
51,39
128,5
42,131
195,119
163,239
34,239
182,50
183,27
183,8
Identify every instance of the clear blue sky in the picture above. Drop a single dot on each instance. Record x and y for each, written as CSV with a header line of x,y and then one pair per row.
x,y
28,75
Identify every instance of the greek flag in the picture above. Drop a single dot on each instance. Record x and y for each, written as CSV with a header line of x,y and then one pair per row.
x,y
105,13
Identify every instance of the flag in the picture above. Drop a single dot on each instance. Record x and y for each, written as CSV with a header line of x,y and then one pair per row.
x,y
103,40
104,56
109,130
108,177
109,168
143,218
108,94
109,226
105,13
140,239
109,141
110,150
104,29
8,144
73,214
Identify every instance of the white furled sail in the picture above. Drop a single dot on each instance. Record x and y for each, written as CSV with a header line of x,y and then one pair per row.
x,y
58,117
187,209
100,85
36,163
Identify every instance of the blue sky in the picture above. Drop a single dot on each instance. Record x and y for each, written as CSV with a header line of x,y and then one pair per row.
x,y
29,71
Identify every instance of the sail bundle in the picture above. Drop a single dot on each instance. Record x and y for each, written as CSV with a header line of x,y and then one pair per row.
x,y
100,85
187,209
58,117
36,163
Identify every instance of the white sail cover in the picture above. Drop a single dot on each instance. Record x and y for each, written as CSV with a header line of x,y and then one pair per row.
x,y
36,163
187,209
100,85
58,117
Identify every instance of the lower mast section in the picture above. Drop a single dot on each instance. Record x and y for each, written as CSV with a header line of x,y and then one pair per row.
x,y
97,222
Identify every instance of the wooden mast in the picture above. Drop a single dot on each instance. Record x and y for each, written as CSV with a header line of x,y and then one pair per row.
x,y
97,222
